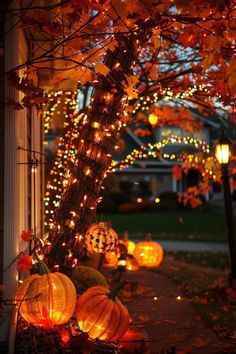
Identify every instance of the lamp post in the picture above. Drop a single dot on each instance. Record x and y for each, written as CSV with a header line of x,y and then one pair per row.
x,y
222,154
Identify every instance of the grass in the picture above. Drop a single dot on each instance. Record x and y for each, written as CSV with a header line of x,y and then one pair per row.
x,y
215,260
205,287
199,225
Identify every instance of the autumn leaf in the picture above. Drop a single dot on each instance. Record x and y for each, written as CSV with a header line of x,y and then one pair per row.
x,y
177,172
207,61
25,263
85,75
102,69
129,88
200,343
118,9
26,235
16,105
203,301
112,45
232,83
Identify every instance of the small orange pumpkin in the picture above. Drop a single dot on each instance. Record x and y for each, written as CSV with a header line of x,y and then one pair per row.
x,y
100,238
134,341
148,253
101,314
46,300
130,245
111,258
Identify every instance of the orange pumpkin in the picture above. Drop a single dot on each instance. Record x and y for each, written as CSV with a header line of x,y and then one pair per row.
x,y
111,258
46,300
131,264
148,253
101,314
133,341
130,245
100,238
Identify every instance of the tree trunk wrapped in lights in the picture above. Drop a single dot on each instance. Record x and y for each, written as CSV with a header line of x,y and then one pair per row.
x,y
96,142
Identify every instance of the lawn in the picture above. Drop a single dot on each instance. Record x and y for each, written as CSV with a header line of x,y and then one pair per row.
x,y
199,225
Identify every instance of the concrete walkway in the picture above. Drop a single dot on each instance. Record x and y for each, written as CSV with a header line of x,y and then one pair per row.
x,y
192,246
158,308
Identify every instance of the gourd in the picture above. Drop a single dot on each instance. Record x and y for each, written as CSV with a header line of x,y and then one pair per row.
x,y
85,277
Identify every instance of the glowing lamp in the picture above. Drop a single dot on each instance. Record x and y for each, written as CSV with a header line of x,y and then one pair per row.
x,y
153,119
222,151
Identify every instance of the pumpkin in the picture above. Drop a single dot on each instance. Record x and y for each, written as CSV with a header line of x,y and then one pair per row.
x,y
111,258
101,314
148,253
100,238
133,341
85,277
131,264
46,300
130,245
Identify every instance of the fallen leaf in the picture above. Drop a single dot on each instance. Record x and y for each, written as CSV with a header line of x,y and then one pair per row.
x,y
200,343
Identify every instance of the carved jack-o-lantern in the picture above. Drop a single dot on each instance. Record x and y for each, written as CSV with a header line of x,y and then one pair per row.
x,y
100,238
111,258
130,245
148,253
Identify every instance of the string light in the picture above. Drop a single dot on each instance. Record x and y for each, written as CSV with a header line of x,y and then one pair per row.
x,y
155,151
144,103
54,99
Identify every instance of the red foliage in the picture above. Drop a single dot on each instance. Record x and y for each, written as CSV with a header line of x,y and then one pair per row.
x,y
25,263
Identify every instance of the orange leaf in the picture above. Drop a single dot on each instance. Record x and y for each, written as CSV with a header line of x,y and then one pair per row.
x,y
25,263
102,69
26,235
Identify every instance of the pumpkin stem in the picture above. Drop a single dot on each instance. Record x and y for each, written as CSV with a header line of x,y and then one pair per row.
x,y
148,237
42,268
113,293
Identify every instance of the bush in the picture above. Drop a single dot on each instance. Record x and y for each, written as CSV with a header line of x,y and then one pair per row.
x,y
169,201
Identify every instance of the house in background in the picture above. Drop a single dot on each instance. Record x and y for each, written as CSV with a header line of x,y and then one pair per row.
x,y
152,177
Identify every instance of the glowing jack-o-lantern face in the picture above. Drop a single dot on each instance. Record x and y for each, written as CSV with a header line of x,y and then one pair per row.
x,y
148,253
130,245
111,258
46,300
100,238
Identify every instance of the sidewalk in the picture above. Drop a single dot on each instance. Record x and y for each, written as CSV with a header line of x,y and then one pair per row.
x,y
169,319
193,246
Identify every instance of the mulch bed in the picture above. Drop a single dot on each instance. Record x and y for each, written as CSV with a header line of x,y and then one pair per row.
x,y
32,339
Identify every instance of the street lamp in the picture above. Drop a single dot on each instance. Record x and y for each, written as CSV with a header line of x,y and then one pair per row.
x,y
222,153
